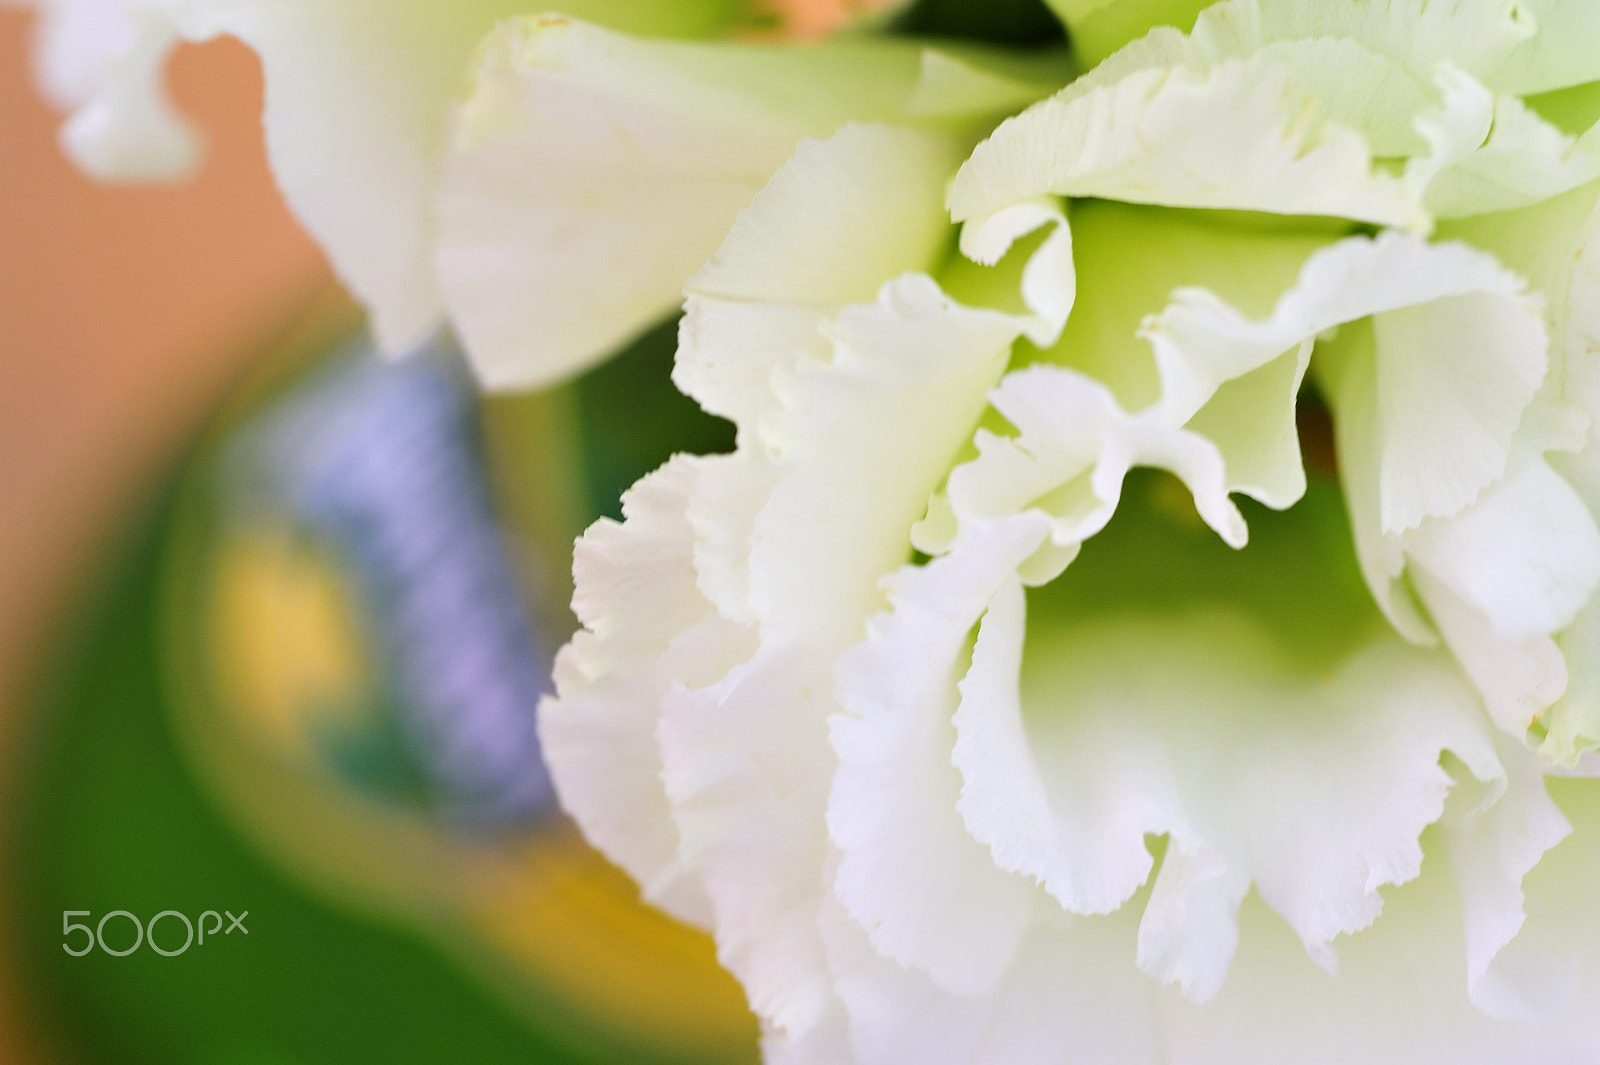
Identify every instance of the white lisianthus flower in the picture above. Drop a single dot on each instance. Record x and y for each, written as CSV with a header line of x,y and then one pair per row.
x,y
1163,630
543,183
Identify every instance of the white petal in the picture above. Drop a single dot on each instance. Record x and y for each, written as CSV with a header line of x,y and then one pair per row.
x,y
1074,447
636,594
1049,280
103,61
1518,679
1526,553
1234,137
1459,353
1398,998
356,97
1505,157
1070,997
1491,849
927,893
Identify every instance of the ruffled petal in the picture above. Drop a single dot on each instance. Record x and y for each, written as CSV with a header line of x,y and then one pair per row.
x,y
636,595
1075,753
1493,153
1075,445
1236,136
1492,845
926,893
1457,351
746,759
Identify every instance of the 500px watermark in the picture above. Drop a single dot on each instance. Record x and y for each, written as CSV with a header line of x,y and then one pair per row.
x,y
145,933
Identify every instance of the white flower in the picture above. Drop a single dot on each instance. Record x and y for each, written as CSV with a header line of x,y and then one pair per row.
x,y
968,743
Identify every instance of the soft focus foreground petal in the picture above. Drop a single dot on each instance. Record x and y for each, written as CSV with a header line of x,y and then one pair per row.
x,y
102,61
838,219
357,92
636,594
591,174
1070,996
1493,841
1242,135
1397,998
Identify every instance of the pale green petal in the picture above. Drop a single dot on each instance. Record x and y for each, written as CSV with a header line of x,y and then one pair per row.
x,y
1511,158
1479,36
592,173
1560,54
1212,740
1132,260
1237,136
968,82
838,219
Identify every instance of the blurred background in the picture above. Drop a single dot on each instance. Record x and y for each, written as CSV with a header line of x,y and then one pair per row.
x,y
273,618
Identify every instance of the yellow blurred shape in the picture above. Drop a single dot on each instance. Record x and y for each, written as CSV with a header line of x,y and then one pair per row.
x,y
287,632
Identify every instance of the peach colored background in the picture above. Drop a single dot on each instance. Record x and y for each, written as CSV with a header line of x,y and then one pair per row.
x,y
125,315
